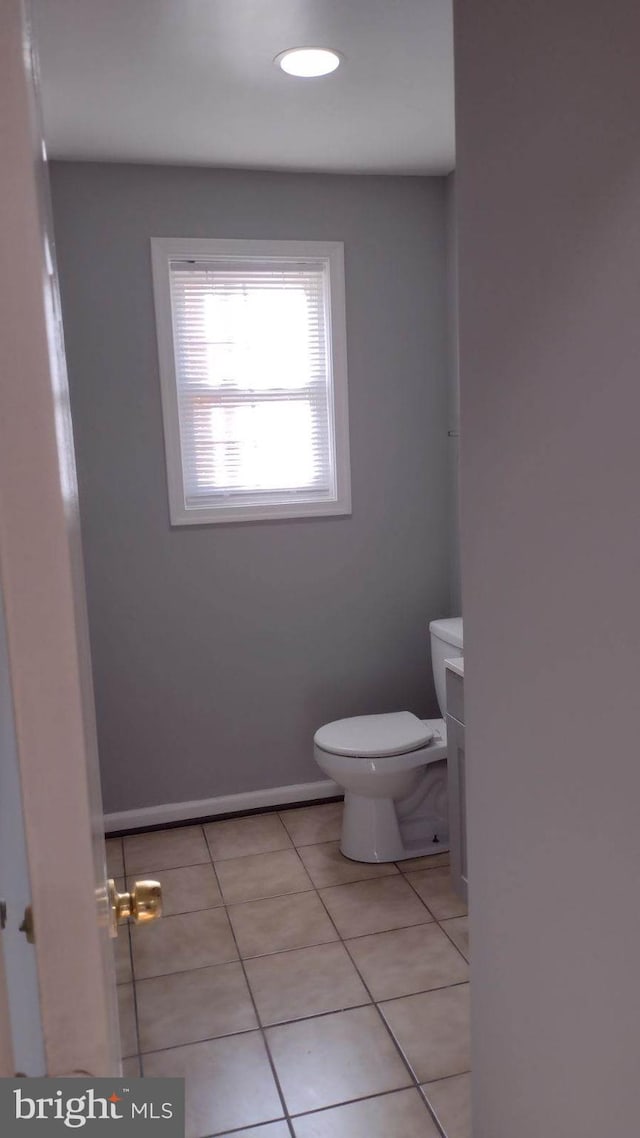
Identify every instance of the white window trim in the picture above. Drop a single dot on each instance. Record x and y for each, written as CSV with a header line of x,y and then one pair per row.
x,y
167,249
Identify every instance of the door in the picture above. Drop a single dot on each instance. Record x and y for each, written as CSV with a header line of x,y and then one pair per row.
x,y
25,1051
47,656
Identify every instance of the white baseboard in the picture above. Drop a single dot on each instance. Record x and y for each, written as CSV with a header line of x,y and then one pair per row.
x,y
148,816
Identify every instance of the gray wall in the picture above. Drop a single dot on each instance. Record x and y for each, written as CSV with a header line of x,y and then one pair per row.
x,y
217,651
548,185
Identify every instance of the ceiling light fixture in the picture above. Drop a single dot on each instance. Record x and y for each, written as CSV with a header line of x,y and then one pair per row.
x,y
308,62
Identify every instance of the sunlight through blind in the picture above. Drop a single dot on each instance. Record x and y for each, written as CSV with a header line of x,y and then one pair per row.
x,y
254,383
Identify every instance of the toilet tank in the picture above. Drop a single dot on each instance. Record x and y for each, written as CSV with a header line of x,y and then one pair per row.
x,y
446,643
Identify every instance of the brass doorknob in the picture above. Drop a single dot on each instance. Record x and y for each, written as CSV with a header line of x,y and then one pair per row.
x,y
142,903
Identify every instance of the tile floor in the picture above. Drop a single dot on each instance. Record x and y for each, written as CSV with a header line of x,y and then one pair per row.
x,y
301,995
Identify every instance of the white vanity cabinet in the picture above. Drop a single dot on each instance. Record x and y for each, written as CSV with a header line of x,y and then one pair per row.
x,y
457,776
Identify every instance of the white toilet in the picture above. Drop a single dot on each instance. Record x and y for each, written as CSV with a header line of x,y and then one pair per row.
x,y
394,771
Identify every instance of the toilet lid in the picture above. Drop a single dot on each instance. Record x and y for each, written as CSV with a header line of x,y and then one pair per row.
x,y
370,736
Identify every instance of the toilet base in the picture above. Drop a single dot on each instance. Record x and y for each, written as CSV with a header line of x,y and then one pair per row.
x,y
370,830
408,851
380,830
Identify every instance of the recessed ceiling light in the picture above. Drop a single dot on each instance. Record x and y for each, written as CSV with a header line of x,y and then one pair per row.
x,y
308,62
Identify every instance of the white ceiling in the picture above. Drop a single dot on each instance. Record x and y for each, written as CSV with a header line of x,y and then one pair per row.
x,y
192,81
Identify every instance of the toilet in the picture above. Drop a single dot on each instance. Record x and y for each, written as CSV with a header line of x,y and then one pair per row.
x,y
393,769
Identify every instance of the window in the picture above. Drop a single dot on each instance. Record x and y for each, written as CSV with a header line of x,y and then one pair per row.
x,y
252,348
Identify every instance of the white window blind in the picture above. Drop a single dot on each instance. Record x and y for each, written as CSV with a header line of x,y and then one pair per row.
x,y
253,386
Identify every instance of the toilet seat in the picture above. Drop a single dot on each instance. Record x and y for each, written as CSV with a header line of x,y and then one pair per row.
x,y
374,736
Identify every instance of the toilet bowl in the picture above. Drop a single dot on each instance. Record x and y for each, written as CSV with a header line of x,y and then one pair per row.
x,y
393,769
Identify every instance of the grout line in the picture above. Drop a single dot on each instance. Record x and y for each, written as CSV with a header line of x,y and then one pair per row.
x,y
188,971
440,920
257,1126
167,868
207,1039
394,929
447,934
270,897
344,939
423,992
425,903
261,1029
257,853
363,1098
466,959
445,1078
187,912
